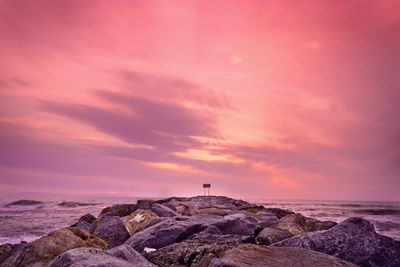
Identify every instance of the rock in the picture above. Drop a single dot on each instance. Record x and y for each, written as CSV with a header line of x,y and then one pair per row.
x,y
213,210
6,250
238,224
138,220
145,203
280,213
269,235
120,256
194,252
111,229
155,221
23,202
85,222
41,251
170,231
252,208
120,210
353,240
316,225
73,204
266,218
257,256
163,211
293,223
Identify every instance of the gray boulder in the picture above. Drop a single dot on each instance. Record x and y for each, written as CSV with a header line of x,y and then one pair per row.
x,y
170,231
238,224
353,240
249,255
120,210
280,213
84,222
121,256
111,229
163,211
269,236
197,251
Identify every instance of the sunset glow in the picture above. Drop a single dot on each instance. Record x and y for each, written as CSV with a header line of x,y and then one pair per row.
x,y
266,99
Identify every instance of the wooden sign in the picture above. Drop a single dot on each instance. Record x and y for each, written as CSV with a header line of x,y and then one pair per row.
x,y
206,185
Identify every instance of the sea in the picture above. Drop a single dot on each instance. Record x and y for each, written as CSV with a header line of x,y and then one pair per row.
x,y
25,223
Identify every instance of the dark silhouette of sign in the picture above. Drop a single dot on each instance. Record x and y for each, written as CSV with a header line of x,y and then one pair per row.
x,y
207,186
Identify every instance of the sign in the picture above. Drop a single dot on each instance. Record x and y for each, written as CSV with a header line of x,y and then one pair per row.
x,y
206,185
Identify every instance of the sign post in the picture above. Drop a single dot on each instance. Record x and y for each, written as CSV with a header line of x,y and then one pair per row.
x,y
206,186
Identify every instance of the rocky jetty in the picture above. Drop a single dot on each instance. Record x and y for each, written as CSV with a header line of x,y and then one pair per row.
x,y
205,231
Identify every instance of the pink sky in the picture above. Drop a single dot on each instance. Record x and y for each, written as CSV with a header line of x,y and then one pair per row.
x,y
262,99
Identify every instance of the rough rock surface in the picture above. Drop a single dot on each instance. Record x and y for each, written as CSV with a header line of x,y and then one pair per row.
x,y
256,256
170,231
353,240
41,251
269,236
163,211
280,213
120,210
293,223
120,256
195,252
238,224
138,220
84,222
111,229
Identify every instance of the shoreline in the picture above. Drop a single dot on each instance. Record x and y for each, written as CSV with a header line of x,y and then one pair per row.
x,y
200,223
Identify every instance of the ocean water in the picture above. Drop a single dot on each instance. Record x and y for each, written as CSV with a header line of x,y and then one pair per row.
x,y
27,223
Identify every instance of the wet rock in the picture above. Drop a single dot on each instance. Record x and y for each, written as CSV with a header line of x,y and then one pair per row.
x,y
111,229
120,256
293,223
6,250
23,202
84,222
269,236
238,224
145,203
163,211
170,231
316,225
196,252
138,220
73,204
256,256
353,240
120,210
280,213
266,218
156,221
41,251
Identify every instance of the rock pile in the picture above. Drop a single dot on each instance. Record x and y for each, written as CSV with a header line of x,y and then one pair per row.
x,y
205,231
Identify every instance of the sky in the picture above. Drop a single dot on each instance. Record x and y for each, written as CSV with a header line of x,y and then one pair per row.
x,y
262,99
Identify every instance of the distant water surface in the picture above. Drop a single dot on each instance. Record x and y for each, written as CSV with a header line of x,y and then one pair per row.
x,y
33,220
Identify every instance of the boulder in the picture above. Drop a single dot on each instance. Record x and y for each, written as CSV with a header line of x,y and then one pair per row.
x,y
266,218
249,255
170,231
7,249
280,213
269,236
238,224
111,229
41,251
144,203
293,223
316,225
353,240
84,222
120,210
155,221
194,252
138,220
163,211
121,256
